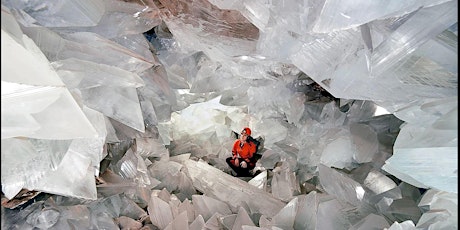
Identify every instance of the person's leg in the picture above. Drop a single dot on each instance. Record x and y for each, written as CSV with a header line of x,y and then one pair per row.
x,y
229,161
251,165
243,172
240,172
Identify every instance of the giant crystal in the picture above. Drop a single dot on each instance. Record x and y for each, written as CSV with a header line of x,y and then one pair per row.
x,y
304,75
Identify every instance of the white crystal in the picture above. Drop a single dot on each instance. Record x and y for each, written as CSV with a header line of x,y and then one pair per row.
x,y
43,95
159,212
62,13
230,189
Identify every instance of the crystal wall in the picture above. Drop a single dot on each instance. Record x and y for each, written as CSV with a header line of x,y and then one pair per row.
x,y
120,114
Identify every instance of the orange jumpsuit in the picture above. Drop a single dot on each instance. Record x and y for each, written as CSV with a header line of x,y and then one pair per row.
x,y
246,152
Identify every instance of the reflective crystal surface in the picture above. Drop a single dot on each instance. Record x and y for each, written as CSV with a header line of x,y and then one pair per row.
x,y
121,114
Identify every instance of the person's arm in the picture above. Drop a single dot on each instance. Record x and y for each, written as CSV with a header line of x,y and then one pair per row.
x,y
252,150
235,145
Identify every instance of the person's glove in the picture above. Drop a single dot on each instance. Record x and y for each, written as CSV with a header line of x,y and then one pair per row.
x,y
243,164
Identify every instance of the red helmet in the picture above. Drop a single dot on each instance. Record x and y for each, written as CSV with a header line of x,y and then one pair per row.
x,y
247,131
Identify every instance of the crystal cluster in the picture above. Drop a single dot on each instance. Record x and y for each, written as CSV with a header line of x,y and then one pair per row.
x,y
120,114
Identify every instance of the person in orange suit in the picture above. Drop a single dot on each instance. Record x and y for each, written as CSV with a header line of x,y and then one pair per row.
x,y
242,159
